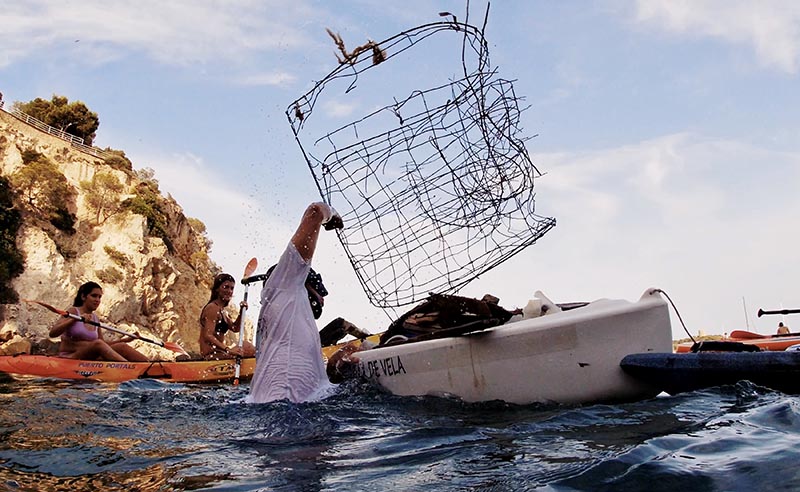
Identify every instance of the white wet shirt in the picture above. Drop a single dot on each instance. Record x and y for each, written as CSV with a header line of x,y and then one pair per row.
x,y
289,364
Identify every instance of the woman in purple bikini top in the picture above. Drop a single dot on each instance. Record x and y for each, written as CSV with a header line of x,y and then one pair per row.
x,y
81,340
78,331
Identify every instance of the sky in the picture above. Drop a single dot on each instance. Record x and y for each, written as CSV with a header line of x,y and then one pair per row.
x,y
668,133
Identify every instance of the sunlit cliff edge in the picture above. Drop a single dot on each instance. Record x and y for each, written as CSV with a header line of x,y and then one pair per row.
x,y
153,284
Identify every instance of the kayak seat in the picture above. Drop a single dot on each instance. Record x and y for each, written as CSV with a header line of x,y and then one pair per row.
x,y
396,339
454,331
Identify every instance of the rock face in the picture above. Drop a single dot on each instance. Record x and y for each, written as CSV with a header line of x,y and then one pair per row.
x,y
156,286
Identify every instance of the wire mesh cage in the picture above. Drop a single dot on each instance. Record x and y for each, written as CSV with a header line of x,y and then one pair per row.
x,y
435,187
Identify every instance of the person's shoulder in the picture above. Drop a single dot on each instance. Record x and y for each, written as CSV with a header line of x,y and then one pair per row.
x,y
210,309
290,264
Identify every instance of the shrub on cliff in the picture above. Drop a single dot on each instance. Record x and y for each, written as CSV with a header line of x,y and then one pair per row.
x,y
63,220
200,228
148,202
12,263
44,190
118,160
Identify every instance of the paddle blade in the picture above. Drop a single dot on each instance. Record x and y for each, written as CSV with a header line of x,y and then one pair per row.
x,y
250,268
175,348
48,306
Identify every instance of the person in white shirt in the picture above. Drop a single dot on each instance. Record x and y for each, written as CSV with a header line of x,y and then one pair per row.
x,y
289,364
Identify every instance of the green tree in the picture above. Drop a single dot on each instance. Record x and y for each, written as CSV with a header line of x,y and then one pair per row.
x,y
102,195
147,174
63,220
43,187
11,261
118,160
74,118
30,155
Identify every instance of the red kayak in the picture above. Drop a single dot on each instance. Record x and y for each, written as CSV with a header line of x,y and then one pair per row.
x,y
764,342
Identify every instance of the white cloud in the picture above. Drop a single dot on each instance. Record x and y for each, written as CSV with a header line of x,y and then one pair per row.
x,y
770,27
707,220
178,32
337,109
267,79
228,213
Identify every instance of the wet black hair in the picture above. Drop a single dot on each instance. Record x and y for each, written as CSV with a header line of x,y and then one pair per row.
x,y
313,280
219,280
83,291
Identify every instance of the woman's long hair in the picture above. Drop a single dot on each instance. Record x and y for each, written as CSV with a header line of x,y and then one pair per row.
x,y
219,280
83,291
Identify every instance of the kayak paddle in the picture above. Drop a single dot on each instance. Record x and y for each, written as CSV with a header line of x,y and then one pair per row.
x,y
248,270
167,345
761,312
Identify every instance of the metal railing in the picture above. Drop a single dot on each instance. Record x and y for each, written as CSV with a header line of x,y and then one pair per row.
x,y
102,154
45,127
75,141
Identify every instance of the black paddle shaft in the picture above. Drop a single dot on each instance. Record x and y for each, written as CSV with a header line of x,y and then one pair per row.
x,y
255,278
761,312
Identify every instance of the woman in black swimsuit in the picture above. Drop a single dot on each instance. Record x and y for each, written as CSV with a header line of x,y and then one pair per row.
x,y
214,323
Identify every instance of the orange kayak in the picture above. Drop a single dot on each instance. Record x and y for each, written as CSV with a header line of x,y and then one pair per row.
x,y
764,342
196,371
331,349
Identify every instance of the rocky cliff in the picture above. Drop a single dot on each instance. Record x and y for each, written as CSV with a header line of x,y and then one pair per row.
x,y
153,284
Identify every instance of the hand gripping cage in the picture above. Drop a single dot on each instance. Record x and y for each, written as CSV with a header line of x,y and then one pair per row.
x,y
434,188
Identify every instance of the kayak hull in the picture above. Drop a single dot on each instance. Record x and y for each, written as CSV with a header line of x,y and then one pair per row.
x,y
568,357
201,371
679,373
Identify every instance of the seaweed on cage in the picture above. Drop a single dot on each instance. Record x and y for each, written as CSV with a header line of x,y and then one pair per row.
x,y
435,188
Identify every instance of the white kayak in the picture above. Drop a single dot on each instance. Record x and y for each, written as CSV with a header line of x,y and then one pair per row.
x,y
568,357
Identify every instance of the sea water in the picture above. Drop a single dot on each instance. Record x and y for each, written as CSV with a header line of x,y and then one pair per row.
x,y
151,436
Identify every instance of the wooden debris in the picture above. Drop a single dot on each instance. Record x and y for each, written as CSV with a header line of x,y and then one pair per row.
x,y
378,55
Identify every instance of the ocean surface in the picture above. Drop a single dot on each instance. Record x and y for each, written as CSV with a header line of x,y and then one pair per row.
x,y
148,436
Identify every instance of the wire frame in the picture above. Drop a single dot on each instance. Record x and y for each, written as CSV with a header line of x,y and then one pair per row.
x,y
436,187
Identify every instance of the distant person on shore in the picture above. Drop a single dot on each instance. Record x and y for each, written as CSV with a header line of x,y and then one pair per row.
x,y
80,340
215,323
289,365
783,329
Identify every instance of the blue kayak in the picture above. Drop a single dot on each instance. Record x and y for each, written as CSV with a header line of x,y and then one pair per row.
x,y
681,372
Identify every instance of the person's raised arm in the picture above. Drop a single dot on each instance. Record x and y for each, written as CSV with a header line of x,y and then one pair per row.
x,y
236,326
305,238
